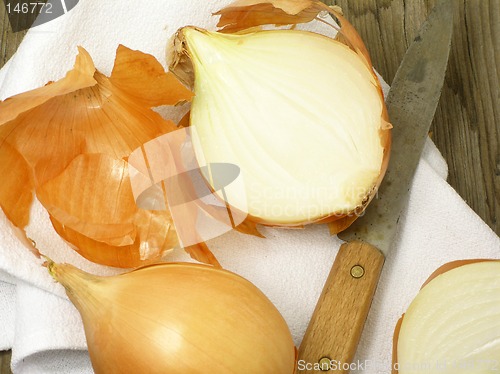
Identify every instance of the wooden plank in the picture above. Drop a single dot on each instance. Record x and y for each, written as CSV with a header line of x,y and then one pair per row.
x,y
5,362
10,40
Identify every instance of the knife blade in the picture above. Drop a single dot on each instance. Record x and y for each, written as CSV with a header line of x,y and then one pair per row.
x,y
335,328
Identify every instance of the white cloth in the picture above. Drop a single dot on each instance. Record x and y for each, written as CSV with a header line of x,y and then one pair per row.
x,y
290,266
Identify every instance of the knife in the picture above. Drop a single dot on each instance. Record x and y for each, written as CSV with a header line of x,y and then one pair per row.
x,y
335,328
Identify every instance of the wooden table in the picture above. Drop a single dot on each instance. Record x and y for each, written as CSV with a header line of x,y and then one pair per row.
x,y
466,128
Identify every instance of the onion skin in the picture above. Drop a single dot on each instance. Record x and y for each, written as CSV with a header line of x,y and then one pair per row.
x,y
97,122
178,318
440,271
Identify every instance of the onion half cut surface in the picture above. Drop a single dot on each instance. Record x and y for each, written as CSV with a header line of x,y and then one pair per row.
x,y
300,114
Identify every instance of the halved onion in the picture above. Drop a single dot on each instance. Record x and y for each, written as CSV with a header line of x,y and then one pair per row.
x,y
453,324
300,114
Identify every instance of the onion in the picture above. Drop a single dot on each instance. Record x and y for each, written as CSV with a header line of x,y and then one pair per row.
x,y
178,318
453,325
300,114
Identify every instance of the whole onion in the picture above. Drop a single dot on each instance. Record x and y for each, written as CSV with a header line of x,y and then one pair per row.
x,y
178,318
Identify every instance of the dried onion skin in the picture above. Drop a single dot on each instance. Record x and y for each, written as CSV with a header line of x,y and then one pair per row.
x,y
96,122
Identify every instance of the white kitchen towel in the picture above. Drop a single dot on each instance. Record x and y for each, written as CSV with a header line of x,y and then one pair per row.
x,y
290,266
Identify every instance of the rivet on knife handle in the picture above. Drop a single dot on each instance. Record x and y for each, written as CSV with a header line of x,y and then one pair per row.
x,y
333,333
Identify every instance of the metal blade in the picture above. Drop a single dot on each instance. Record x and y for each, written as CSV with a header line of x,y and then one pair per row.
x,y
411,105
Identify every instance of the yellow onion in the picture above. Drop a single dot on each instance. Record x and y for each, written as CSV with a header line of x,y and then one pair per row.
x,y
453,324
178,318
68,142
302,115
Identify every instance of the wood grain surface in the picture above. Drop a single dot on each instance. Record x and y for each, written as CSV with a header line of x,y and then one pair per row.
x,y
466,128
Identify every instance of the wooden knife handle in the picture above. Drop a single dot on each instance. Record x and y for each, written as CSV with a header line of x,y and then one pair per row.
x,y
333,333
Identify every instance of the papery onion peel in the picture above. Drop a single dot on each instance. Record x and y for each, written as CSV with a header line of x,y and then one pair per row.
x,y
69,141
